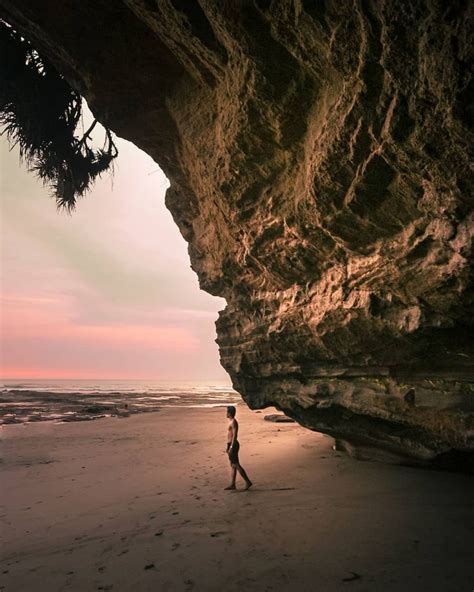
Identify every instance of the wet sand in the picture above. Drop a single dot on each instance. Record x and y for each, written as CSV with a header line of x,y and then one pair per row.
x,y
139,504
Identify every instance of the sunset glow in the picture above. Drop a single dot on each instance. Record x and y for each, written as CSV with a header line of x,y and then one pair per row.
x,y
105,293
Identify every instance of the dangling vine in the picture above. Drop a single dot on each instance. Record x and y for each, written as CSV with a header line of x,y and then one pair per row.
x,y
40,113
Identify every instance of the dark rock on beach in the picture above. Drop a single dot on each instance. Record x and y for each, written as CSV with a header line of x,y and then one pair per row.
x,y
277,418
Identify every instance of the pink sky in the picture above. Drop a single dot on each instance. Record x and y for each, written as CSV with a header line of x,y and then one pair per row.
x,y
105,293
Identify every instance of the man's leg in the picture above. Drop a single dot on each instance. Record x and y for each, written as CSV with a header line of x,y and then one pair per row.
x,y
233,476
244,476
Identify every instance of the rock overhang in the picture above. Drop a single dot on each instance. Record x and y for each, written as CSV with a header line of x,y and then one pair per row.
x,y
319,158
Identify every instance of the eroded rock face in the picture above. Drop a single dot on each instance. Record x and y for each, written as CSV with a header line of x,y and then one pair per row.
x,y
318,154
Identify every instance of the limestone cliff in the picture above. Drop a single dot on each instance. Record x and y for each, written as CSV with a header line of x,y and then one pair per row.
x,y
320,168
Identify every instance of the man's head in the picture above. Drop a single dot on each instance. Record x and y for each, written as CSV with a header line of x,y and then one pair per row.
x,y
231,411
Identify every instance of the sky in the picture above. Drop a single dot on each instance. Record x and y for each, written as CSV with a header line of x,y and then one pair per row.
x,y
104,293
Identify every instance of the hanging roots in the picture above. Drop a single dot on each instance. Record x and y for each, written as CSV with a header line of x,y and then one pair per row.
x,y
39,112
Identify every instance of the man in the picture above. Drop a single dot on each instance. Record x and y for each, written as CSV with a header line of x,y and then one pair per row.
x,y
233,450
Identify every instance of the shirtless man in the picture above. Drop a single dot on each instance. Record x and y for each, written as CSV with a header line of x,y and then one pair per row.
x,y
233,450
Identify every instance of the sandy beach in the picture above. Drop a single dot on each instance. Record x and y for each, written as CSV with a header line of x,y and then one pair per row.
x,y
139,504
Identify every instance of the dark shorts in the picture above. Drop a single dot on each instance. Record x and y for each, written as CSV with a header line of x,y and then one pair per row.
x,y
234,453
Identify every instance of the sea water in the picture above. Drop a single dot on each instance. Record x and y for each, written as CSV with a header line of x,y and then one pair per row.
x,y
23,401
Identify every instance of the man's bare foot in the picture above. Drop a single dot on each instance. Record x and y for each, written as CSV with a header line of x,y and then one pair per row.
x,y
229,487
248,486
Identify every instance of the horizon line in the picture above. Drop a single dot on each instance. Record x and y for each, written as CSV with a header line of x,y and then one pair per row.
x,y
117,378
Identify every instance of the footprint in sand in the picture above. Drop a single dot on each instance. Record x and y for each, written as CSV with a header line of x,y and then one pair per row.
x,y
352,578
150,566
175,546
218,533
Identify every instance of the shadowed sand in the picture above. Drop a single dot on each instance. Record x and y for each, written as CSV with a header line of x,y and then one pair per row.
x,y
138,504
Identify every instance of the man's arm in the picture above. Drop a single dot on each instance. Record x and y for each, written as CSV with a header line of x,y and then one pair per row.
x,y
235,429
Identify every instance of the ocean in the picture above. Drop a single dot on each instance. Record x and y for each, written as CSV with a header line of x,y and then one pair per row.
x,y
24,401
